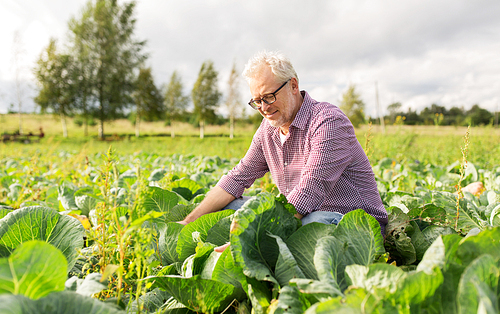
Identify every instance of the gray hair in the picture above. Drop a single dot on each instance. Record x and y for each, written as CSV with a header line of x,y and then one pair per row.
x,y
280,65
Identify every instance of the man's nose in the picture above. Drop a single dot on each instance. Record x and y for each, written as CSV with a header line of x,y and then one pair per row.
x,y
265,106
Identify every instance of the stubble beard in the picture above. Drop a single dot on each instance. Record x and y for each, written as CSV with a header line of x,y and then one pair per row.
x,y
285,117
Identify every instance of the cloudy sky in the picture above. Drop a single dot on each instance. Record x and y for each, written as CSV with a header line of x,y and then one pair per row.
x,y
417,52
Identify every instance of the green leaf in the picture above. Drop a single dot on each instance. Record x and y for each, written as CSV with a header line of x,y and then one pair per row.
x,y
67,197
493,197
418,286
203,253
152,215
361,234
85,203
479,284
52,197
468,218
4,210
179,212
495,216
418,240
210,264
197,231
187,188
167,243
34,270
226,271
203,179
428,212
160,200
90,285
397,242
315,290
445,200
56,302
286,266
41,223
330,262
357,301
485,242
291,301
356,240
259,293
185,193
157,174
219,233
252,248
378,279
432,232
197,294
433,257
452,271
221,267
302,244
152,301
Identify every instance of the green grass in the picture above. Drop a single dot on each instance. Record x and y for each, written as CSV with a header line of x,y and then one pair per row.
x,y
427,144
440,148
209,146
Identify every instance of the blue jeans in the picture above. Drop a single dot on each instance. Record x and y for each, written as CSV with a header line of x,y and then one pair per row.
x,y
237,203
323,217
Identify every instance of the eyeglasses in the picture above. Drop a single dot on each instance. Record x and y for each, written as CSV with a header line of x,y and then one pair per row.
x,y
268,98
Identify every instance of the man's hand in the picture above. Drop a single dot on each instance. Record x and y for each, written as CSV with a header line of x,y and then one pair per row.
x,y
215,200
299,216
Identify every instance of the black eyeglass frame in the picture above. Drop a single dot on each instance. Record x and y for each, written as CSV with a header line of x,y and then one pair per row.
x,y
253,103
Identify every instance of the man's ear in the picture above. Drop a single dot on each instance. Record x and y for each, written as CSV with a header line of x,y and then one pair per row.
x,y
295,85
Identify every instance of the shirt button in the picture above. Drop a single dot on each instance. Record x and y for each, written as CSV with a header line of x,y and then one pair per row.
x,y
286,163
287,190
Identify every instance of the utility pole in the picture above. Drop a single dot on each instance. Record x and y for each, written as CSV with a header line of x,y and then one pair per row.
x,y
17,54
381,116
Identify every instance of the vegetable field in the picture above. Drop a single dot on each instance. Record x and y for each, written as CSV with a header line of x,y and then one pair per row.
x,y
85,232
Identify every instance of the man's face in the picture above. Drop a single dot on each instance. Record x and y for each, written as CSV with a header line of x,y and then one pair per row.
x,y
280,113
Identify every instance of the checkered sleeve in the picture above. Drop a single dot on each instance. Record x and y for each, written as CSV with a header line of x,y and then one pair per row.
x,y
250,168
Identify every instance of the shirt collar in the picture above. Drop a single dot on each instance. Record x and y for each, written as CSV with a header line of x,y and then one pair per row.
x,y
304,112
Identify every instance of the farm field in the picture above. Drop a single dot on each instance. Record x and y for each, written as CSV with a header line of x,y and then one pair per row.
x,y
89,226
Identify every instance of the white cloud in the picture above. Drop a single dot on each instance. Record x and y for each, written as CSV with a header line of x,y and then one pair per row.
x,y
419,52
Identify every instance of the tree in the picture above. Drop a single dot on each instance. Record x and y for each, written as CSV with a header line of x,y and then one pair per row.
x,y
56,78
174,100
233,98
479,116
148,99
456,116
353,106
428,114
84,63
205,95
106,29
394,110
412,118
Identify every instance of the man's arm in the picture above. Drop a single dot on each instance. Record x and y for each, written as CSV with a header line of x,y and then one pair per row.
x,y
215,200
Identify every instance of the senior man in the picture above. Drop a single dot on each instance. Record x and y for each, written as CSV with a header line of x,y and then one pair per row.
x,y
309,147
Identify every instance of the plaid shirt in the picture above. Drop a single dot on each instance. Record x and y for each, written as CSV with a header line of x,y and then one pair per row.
x,y
320,166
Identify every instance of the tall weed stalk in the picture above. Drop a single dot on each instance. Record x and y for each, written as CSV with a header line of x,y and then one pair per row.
x,y
121,239
368,138
463,167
